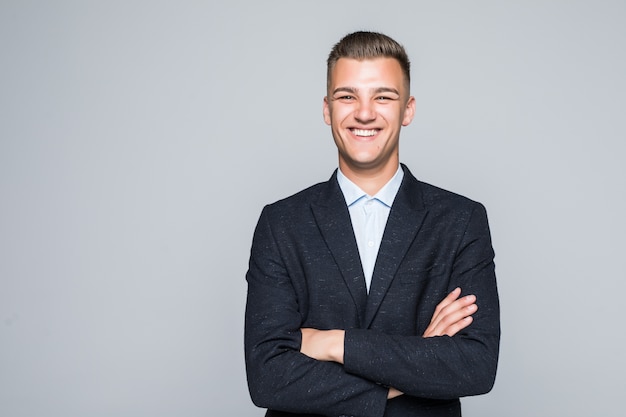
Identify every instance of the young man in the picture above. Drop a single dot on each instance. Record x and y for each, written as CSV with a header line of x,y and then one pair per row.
x,y
363,291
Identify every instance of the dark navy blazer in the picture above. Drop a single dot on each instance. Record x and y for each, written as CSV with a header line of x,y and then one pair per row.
x,y
305,271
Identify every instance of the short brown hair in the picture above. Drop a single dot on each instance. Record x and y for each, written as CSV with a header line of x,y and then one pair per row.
x,y
368,45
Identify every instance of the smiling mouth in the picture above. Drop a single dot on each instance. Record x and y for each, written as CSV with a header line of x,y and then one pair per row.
x,y
364,132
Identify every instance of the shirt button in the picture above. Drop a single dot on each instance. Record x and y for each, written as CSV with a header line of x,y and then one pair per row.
x,y
370,243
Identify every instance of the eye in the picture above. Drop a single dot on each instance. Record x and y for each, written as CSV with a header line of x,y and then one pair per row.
x,y
384,98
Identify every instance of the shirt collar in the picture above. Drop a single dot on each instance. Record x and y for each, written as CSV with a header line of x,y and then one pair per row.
x,y
352,193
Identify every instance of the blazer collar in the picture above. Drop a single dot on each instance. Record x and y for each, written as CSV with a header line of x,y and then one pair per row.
x,y
405,218
333,219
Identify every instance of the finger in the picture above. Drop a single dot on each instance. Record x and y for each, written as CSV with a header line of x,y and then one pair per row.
x,y
450,298
450,323
458,326
452,307
448,318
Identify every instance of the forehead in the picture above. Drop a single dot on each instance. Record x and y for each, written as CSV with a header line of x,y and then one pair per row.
x,y
375,72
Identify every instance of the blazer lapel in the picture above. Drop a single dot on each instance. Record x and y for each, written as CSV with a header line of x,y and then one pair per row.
x,y
333,219
405,219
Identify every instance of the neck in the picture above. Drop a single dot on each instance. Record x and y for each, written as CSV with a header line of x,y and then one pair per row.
x,y
370,181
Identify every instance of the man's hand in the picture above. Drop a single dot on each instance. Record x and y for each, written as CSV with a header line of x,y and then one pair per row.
x,y
393,393
452,315
323,345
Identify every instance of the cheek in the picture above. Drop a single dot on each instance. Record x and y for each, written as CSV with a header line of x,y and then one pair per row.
x,y
338,115
391,115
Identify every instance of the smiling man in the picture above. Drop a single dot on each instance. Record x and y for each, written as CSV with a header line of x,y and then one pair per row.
x,y
372,294
367,103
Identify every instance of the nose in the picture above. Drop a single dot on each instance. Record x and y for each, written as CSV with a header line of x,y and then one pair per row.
x,y
365,112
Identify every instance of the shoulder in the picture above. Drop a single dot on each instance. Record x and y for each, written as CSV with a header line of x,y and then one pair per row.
x,y
432,196
442,205
289,218
297,207
301,198
450,205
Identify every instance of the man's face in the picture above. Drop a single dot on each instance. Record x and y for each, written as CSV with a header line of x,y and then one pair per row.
x,y
366,106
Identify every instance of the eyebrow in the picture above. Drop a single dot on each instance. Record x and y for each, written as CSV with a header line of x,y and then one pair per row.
x,y
378,90
350,90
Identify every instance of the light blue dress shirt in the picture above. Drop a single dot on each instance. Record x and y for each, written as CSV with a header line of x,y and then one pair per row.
x,y
369,217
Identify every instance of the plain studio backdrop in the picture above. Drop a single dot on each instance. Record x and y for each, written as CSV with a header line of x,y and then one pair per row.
x,y
139,141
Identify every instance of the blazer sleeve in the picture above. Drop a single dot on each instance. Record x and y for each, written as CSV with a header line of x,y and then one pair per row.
x,y
441,367
279,376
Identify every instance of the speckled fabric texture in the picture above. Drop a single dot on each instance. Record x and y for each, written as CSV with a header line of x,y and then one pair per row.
x,y
305,272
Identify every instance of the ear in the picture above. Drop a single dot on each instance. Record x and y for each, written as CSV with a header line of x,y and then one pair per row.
x,y
409,111
326,111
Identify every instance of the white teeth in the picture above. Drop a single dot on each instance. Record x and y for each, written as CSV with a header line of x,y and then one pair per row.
x,y
362,132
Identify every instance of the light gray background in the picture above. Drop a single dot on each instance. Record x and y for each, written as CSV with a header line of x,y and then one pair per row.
x,y
139,141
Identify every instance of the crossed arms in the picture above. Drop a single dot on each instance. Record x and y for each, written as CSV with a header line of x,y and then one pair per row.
x,y
294,366
452,315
